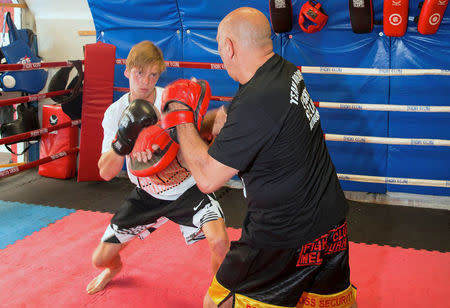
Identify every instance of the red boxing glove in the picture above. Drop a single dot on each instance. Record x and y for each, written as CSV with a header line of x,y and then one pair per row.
x,y
194,95
161,158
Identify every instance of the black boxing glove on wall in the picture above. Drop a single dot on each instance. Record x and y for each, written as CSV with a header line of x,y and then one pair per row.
x,y
138,115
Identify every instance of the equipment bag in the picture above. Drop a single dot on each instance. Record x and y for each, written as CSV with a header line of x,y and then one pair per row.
x,y
56,142
19,51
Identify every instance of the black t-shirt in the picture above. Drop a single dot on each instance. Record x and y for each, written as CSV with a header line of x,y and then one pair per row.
x,y
273,137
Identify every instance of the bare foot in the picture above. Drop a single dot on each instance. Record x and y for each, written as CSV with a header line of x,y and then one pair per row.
x,y
100,282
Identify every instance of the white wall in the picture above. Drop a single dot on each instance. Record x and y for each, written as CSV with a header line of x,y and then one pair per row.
x,y
56,23
57,26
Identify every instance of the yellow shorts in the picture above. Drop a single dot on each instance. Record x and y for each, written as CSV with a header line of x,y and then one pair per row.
x,y
317,274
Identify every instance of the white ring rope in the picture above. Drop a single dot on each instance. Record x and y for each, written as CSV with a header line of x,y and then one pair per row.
x,y
389,180
382,107
372,71
351,106
386,140
319,69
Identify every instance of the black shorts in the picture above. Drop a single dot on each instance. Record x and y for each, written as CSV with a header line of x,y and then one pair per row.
x,y
314,275
142,214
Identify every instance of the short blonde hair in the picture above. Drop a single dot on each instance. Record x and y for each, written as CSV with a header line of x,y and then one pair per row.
x,y
145,54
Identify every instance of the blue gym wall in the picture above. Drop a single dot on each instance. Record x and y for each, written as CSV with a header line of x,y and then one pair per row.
x,y
185,30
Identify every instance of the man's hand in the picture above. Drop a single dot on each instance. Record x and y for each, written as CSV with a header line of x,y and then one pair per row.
x,y
219,120
144,156
213,123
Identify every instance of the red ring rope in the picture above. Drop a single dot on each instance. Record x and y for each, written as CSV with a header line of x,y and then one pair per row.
x,y
17,169
34,97
32,66
38,132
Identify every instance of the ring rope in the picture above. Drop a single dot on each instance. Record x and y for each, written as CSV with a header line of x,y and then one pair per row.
x,y
220,66
33,66
386,140
38,132
221,98
390,180
17,169
319,69
382,107
120,89
372,71
33,97
373,107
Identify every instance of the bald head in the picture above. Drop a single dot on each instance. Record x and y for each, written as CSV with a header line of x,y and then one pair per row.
x,y
244,42
247,27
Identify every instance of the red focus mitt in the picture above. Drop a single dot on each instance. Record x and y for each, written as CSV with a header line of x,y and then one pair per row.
x,y
161,158
194,95
312,17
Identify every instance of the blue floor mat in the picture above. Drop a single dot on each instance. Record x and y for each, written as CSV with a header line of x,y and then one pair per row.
x,y
18,220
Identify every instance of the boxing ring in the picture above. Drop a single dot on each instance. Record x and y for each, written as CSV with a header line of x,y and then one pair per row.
x,y
137,284
106,89
356,106
385,116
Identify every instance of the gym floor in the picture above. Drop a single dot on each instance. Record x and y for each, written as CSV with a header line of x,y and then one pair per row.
x,y
392,225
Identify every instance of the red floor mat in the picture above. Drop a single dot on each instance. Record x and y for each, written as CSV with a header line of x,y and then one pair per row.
x,y
395,277
51,268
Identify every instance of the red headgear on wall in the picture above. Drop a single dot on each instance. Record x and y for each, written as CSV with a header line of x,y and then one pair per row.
x,y
312,17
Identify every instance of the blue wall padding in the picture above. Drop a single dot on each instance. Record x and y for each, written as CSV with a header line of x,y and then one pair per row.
x,y
416,51
18,220
186,31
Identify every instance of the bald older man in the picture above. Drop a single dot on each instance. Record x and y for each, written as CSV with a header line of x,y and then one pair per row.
x,y
293,251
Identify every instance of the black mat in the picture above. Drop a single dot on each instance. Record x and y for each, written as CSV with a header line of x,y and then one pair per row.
x,y
391,225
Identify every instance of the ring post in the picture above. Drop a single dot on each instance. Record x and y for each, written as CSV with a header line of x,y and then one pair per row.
x,y
97,96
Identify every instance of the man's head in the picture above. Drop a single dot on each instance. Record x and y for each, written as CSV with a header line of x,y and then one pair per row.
x,y
144,65
244,42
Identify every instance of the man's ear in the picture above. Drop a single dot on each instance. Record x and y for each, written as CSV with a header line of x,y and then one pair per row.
x,y
229,47
127,73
